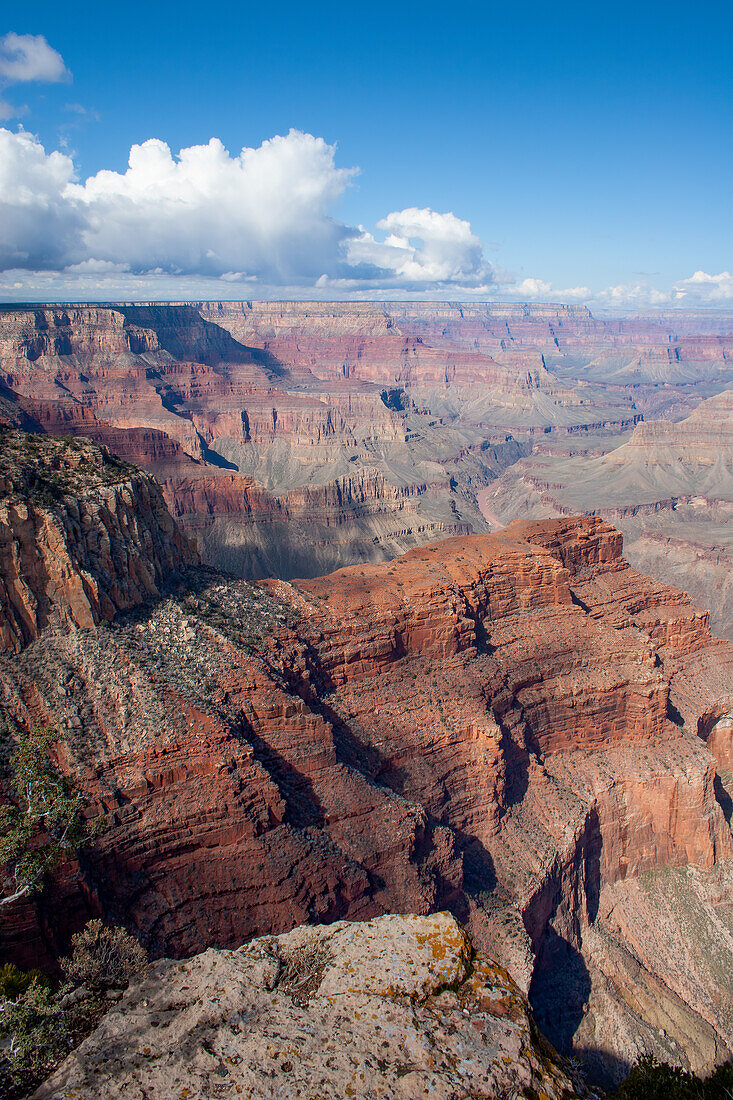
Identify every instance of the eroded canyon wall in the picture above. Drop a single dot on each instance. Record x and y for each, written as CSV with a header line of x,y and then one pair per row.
x,y
376,422
669,488
515,727
108,547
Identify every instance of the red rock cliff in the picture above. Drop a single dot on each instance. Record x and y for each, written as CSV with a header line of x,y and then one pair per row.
x,y
82,536
492,724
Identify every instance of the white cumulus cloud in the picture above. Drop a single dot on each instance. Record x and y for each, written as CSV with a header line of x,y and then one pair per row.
x,y
39,227
422,248
705,289
26,57
264,214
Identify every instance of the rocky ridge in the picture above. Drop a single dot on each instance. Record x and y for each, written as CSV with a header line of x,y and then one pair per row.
x,y
669,488
82,535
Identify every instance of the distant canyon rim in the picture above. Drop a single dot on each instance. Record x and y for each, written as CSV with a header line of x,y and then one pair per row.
x,y
292,438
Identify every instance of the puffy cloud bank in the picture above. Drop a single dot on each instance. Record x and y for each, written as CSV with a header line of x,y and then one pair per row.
x,y
423,248
707,289
262,215
39,227
700,290
203,222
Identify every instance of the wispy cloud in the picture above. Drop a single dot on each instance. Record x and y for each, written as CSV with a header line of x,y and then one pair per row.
x,y
538,290
24,59
635,295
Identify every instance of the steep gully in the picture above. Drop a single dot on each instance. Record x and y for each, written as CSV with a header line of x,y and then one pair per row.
x,y
516,727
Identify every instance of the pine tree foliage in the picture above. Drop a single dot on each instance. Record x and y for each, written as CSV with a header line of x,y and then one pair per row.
x,y
44,819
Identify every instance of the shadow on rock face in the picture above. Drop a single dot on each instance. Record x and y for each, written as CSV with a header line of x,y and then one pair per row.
x,y
559,991
722,794
603,1069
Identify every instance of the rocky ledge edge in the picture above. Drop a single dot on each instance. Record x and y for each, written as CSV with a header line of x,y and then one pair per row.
x,y
399,1006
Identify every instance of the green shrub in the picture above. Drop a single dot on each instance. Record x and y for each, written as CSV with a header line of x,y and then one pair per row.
x,y
45,821
36,1034
104,957
14,981
653,1080
39,1027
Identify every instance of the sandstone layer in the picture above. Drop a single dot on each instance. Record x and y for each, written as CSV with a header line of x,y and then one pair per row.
x,y
398,1007
514,727
82,535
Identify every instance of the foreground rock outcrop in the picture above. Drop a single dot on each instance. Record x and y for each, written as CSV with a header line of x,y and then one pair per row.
x,y
398,1007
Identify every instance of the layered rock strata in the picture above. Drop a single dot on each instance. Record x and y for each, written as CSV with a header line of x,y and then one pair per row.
x,y
669,488
430,401
512,727
163,387
82,535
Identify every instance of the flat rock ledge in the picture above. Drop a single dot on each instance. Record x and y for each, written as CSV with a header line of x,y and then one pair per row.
x,y
399,1006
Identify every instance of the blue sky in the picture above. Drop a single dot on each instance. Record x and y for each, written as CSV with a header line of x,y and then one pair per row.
x,y
588,146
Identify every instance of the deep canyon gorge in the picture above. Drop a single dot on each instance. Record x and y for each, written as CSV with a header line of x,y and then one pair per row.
x,y
353,609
